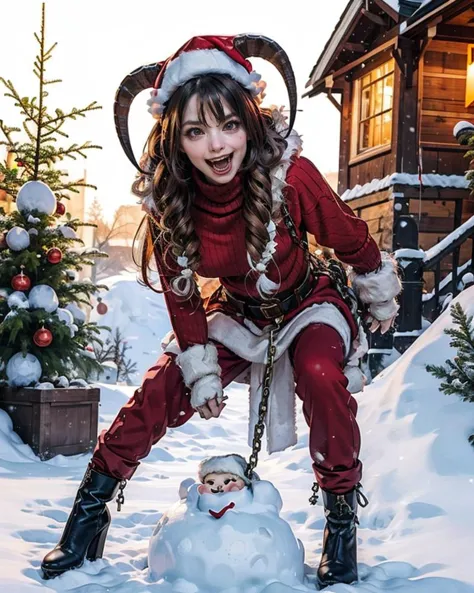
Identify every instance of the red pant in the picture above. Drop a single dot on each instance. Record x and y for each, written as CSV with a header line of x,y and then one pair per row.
x,y
329,409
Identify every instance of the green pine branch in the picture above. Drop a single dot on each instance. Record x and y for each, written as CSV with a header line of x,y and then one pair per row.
x,y
457,376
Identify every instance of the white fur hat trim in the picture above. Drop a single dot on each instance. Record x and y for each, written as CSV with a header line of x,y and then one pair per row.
x,y
222,464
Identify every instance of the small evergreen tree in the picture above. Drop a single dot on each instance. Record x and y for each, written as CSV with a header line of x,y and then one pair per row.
x,y
115,350
39,258
458,374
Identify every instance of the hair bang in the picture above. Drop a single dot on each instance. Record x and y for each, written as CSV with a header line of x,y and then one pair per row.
x,y
211,96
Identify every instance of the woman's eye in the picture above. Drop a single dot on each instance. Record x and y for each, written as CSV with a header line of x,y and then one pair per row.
x,y
232,125
193,132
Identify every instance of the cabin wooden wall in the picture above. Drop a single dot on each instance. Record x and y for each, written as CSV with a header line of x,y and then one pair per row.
x,y
442,95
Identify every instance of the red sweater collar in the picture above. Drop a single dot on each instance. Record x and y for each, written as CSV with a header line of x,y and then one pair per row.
x,y
222,193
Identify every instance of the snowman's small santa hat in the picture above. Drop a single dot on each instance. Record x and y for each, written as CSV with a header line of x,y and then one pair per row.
x,y
224,464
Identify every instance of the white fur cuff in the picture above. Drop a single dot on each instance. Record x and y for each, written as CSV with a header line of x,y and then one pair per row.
x,y
205,389
380,286
384,310
198,361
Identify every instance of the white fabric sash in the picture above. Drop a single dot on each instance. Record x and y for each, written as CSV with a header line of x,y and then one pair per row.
x,y
251,343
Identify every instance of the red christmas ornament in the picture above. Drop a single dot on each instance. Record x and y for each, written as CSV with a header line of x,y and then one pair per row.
x,y
43,337
60,209
20,163
102,309
89,348
21,282
54,255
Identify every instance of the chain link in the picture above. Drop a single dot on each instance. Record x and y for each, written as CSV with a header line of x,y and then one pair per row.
x,y
263,407
337,274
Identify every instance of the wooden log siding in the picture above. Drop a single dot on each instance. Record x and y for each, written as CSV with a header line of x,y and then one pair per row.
x,y
443,92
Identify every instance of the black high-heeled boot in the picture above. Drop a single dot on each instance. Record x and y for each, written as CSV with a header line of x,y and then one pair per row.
x,y
339,557
87,526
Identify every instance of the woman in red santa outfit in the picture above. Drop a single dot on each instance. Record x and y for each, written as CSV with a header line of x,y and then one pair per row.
x,y
227,196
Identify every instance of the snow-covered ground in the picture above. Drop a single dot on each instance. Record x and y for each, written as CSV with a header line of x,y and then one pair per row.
x,y
417,534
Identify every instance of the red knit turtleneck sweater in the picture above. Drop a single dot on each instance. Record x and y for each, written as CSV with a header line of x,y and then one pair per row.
x,y
218,219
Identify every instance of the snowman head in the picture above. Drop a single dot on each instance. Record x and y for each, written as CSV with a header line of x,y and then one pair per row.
x,y
220,473
217,482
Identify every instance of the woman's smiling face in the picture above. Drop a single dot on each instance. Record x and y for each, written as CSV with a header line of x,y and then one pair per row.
x,y
215,148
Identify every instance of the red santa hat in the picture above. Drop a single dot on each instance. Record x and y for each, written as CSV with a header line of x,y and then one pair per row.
x,y
199,56
225,464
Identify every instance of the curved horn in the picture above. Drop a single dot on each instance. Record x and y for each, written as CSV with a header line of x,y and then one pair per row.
x,y
259,46
140,79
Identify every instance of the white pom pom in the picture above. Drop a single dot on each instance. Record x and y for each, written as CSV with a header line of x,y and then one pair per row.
x,y
261,267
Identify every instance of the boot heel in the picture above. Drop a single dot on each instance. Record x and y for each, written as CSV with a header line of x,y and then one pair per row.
x,y
96,547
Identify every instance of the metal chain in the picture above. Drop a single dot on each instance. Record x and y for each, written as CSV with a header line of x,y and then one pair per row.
x,y
263,407
120,500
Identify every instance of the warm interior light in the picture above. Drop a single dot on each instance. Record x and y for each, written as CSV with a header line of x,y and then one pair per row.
x,y
470,76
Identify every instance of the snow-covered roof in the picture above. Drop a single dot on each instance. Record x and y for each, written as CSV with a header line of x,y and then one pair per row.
x,y
395,4
428,180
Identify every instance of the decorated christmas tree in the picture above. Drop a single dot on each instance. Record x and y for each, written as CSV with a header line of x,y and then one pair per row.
x,y
45,339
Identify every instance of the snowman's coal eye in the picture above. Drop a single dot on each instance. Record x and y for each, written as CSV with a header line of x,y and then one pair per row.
x,y
210,482
234,480
226,481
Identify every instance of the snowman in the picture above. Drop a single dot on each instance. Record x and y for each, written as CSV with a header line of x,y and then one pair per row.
x,y
226,535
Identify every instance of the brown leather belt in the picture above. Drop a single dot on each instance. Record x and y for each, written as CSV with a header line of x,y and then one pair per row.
x,y
274,307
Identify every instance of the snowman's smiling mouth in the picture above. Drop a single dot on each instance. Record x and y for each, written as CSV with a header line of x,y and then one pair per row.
x,y
221,513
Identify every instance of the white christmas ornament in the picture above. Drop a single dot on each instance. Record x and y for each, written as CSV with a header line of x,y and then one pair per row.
x,y
36,195
32,232
18,300
43,296
18,239
65,316
77,313
67,232
245,547
23,370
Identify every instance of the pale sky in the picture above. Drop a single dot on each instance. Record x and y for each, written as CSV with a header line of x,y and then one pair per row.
x,y
99,43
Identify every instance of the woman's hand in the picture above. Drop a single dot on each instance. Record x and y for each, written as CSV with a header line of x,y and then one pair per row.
x,y
212,409
384,325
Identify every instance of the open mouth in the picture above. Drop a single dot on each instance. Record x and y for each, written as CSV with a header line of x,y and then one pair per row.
x,y
221,166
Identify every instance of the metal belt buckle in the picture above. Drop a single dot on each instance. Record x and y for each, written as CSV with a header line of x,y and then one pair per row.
x,y
271,310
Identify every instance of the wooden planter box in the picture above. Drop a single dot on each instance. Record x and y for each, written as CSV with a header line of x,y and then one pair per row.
x,y
54,421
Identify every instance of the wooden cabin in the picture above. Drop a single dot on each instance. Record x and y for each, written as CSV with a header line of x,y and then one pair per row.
x,y
400,69
401,74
